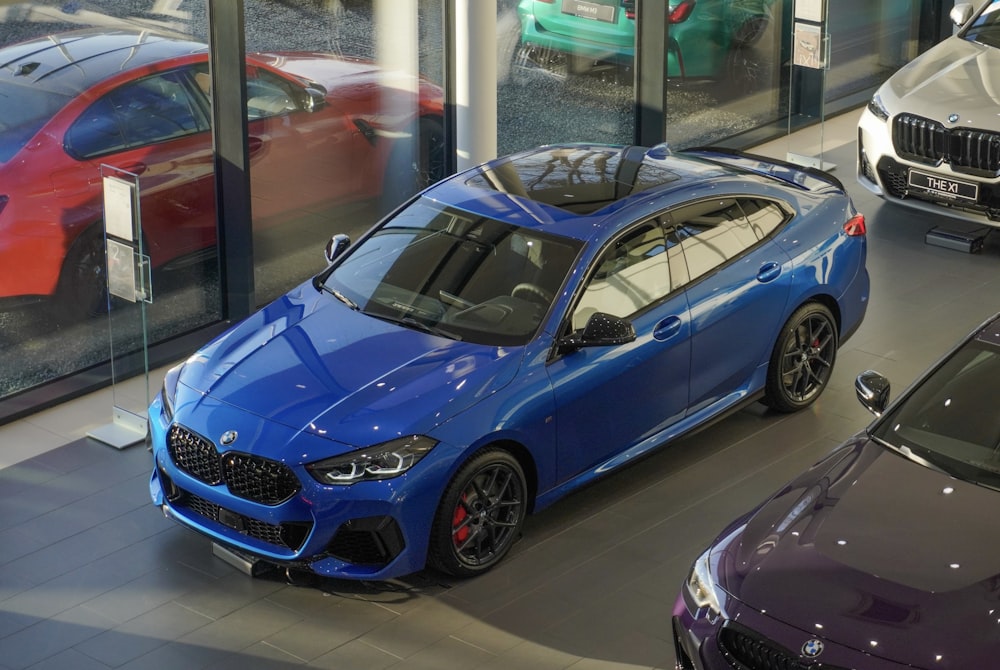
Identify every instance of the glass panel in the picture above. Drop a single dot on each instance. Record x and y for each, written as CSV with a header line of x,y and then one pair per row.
x,y
114,86
565,72
345,120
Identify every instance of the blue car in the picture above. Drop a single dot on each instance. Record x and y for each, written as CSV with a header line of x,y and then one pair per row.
x,y
509,335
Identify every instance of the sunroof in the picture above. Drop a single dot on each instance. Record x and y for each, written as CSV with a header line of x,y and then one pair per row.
x,y
581,179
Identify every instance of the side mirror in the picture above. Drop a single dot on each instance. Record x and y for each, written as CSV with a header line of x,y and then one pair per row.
x,y
873,391
961,13
314,99
336,246
601,330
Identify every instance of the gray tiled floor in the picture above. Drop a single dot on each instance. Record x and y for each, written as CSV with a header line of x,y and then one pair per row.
x,y
92,576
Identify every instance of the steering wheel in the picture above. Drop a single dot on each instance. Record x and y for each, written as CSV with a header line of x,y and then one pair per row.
x,y
529,291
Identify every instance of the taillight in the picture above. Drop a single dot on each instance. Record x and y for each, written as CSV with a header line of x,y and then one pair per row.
x,y
681,12
629,6
855,226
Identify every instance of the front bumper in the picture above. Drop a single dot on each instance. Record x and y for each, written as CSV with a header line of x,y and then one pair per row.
x,y
362,531
886,173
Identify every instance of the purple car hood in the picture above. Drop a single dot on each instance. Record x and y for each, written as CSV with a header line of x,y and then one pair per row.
x,y
878,553
311,363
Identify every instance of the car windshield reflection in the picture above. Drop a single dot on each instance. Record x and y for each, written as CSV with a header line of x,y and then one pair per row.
x,y
455,274
950,421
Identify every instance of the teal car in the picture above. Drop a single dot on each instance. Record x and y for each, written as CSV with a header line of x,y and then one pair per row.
x,y
706,38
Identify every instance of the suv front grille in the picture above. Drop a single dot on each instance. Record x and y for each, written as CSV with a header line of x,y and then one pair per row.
x,y
965,149
251,477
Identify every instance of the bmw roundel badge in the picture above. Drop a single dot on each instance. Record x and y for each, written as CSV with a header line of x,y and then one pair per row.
x,y
812,648
228,437
953,118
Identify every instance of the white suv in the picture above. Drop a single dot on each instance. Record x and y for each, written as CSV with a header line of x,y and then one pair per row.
x,y
930,136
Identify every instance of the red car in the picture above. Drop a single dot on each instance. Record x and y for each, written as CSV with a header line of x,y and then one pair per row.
x,y
322,130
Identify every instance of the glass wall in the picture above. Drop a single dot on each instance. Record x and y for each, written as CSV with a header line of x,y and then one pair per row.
x,y
86,90
345,116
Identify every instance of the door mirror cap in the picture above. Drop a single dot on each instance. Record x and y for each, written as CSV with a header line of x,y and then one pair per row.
x,y
873,391
335,247
961,13
601,330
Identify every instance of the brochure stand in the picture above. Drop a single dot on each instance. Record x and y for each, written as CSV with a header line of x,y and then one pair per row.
x,y
129,278
809,63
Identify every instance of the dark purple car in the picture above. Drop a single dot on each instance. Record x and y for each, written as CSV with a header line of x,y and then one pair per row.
x,y
880,556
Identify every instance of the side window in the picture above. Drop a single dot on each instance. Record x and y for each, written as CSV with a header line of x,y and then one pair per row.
x,y
631,274
712,232
764,216
268,94
150,110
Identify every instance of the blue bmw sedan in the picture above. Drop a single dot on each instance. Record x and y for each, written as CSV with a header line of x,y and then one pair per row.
x,y
507,336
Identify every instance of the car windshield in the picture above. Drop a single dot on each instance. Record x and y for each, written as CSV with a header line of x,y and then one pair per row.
x,y
23,111
951,420
986,28
439,269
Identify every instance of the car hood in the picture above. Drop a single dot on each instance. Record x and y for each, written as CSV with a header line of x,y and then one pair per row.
x,y
954,77
309,362
873,551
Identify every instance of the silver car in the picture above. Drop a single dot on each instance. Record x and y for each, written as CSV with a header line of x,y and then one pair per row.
x,y
930,136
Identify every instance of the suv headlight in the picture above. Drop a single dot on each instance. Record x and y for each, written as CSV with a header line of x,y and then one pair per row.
x,y
383,461
701,585
877,107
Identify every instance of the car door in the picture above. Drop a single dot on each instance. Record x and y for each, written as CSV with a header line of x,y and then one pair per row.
x,y
738,291
155,127
609,398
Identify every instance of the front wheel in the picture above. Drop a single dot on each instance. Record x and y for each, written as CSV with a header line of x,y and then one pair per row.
x,y
802,359
480,515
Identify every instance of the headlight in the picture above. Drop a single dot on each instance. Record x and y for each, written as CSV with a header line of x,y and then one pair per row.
x,y
876,107
701,585
383,461
169,390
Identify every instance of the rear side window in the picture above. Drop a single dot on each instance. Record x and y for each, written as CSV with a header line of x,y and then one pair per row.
x,y
151,110
23,112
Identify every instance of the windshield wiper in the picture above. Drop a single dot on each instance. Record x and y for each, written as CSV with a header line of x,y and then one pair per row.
x,y
341,297
410,322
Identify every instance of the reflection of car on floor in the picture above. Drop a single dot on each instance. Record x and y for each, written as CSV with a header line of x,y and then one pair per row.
x,y
140,102
930,136
881,555
516,332
706,37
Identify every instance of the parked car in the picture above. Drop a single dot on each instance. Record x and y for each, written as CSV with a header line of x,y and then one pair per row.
x,y
513,333
879,556
929,138
140,101
706,37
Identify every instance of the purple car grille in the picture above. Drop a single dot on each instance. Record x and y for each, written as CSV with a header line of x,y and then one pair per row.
x,y
252,477
927,141
288,535
746,650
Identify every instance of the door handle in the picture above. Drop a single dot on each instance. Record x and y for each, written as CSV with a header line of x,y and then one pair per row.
x,y
254,145
667,328
768,272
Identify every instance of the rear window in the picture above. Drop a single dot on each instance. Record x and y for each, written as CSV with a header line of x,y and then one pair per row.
x,y
23,111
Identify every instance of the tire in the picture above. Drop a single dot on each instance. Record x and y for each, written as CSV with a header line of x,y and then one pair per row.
x,y
802,359
480,515
82,291
412,168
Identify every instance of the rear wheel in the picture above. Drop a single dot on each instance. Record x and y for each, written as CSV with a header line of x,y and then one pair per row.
x,y
802,359
82,291
480,514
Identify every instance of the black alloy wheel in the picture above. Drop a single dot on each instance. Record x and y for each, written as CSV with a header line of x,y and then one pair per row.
x,y
83,285
802,359
480,515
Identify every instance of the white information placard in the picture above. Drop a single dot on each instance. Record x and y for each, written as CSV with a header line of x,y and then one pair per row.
x,y
119,208
810,10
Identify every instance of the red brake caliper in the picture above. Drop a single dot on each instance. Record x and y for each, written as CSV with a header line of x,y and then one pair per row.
x,y
462,534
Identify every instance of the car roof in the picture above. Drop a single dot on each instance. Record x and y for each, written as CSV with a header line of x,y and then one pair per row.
x,y
558,186
71,62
